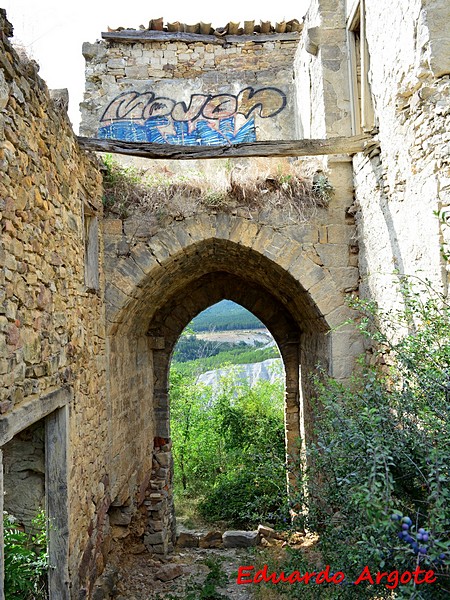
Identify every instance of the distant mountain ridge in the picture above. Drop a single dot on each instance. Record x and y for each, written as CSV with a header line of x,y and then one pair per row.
x,y
225,315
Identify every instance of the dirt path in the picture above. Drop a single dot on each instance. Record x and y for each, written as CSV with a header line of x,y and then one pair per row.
x,y
139,574
184,574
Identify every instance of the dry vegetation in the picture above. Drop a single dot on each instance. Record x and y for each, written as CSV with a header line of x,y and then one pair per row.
x,y
248,185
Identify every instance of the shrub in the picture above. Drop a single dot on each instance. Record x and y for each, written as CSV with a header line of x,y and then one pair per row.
x,y
26,559
382,452
165,194
229,448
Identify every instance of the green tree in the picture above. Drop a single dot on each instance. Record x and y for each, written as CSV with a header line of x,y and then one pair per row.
x,y
196,448
229,447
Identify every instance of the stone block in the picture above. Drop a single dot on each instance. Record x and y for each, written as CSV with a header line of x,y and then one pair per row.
x,y
326,295
169,572
306,271
163,458
154,538
240,539
112,227
116,63
119,532
31,347
187,539
340,234
140,227
212,539
4,91
333,255
120,515
346,278
90,51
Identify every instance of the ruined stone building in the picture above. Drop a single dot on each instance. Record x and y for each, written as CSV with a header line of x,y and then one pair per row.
x,y
91,307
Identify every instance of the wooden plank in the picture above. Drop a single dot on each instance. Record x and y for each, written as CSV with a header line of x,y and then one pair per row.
x,y
31,411
132,36
91,257
57,504
308,147
367,111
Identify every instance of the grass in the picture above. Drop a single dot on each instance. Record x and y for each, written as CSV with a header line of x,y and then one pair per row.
x,y
249,185
186,511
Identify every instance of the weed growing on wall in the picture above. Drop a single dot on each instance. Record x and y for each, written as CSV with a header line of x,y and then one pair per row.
x,y
26,559
165,194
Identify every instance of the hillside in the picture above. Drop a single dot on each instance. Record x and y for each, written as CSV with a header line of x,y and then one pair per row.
x,y
223,316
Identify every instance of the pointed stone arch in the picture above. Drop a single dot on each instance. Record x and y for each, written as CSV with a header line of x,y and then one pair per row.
x,y
153,291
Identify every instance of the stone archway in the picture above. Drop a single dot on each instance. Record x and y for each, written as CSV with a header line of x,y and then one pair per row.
x,y
165,329
156,287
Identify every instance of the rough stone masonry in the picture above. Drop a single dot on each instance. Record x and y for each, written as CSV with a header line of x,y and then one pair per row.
x,y
90,308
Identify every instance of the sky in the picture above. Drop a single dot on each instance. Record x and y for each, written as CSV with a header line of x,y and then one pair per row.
x,y
53,31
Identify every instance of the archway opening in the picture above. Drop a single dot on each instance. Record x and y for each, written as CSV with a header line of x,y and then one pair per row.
x,y
163,296
227,397
300,341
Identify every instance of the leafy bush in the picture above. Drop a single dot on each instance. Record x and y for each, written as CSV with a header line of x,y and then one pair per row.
x,y
26,559
230,448
383,451
164,194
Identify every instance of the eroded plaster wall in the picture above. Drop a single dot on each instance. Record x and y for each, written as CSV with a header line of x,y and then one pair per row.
x,y
24,474
235,92
401,187
51,326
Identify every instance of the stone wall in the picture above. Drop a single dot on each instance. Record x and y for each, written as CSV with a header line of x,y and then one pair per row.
x,y
321,72
51,324
295,275
402,186
160,274
239,91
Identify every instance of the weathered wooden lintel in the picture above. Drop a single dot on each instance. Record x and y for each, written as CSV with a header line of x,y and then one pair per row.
x,y
132,36
308,147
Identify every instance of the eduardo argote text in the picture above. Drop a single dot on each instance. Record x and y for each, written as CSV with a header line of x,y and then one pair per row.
x,y
390,579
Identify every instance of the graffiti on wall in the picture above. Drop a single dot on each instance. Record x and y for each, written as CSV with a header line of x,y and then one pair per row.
x,y
208,120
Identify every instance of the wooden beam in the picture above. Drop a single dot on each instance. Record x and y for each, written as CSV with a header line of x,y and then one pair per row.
x,y
132,36
309,147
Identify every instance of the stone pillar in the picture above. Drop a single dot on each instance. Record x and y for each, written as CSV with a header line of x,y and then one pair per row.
x,y
161,528
292,413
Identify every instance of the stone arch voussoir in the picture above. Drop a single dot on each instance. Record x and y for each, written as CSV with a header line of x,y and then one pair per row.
x,y
148,261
